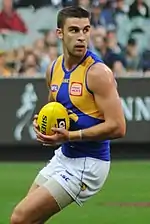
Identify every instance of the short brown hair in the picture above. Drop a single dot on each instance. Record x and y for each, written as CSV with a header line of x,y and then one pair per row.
x,y
71,12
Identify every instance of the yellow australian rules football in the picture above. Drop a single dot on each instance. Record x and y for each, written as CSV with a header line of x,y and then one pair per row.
x,y
51,115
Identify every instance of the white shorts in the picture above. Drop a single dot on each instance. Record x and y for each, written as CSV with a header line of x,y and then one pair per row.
x,y
80,177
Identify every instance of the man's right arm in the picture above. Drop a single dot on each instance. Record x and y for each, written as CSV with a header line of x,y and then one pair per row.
x,y
48,82
50,98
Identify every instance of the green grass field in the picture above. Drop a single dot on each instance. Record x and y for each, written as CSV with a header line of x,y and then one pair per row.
x,y
119,202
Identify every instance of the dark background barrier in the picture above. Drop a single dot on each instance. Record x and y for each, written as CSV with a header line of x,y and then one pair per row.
x,y
135,98
22,98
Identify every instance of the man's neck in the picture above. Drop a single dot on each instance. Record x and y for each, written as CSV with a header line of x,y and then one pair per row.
x,y
71,61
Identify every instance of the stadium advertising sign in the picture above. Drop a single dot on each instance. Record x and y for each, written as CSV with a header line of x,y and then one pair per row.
x,y
22,98
135,99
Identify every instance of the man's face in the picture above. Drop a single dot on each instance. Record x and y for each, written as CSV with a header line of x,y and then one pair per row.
x,y
75,35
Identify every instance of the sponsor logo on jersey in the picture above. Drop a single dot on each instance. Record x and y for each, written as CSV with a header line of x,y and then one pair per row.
x,y
61,123
76,89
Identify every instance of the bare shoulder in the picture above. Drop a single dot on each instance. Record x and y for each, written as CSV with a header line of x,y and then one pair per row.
x,y
99,75
101,72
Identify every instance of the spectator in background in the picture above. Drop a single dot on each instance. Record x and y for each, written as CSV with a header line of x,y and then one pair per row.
x,y
39,48
10,62
98,41
10,20
19,58
50,38
101,13
114,57
98,31
39,44
120,7
52,53
112,41
49,56
19,54
101,30
118,68
85,4
139,8
132,56
4,71
31,65
105,45
96,9
145,61
107,14
115,61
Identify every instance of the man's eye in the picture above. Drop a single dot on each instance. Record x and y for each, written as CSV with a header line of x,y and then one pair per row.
x,y
74,30
86,30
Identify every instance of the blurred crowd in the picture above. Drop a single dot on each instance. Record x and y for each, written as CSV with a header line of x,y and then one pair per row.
x,y
120,35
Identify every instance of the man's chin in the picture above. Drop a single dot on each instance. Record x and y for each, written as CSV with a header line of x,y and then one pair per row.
x,y
79,52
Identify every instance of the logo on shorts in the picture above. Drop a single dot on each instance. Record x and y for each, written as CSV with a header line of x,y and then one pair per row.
x,y
54,88
64,177
76,89
61,123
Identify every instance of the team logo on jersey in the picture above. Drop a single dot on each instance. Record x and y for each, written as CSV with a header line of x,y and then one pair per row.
x,y
54,88
76,89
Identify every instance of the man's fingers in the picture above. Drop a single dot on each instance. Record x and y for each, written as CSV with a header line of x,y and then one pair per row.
x,y
35,121
45,143
35,124
35,116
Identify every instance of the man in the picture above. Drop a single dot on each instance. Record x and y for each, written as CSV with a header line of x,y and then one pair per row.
x,y
85,86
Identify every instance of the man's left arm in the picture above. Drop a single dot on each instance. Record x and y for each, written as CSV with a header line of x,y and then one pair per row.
x,y
101,82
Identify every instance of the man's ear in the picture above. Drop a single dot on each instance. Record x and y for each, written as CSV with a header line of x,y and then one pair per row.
x,y
59,33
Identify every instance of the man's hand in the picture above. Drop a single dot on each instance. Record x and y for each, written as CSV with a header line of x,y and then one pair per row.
x,y
35,125
60,135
